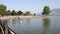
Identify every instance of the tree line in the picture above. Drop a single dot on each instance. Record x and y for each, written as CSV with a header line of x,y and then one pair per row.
x,y
4,11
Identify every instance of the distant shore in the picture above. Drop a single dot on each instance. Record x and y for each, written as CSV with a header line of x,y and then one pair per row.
x,y
21,17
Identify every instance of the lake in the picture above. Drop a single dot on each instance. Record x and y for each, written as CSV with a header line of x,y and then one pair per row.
x,y
49,25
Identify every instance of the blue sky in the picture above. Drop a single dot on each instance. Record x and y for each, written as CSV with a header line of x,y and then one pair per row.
x,y
34,6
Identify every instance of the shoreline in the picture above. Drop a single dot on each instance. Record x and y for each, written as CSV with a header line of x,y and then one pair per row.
x,y
21,17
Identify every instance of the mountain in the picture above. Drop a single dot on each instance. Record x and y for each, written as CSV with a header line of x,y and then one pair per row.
x,y
55,12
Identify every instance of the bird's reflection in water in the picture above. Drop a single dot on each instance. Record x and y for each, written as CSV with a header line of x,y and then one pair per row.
x,y
19,21
46,25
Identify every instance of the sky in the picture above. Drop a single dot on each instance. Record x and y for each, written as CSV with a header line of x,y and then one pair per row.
x,y
34,6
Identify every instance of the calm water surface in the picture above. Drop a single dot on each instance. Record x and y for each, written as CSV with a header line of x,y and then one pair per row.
x,y
35,25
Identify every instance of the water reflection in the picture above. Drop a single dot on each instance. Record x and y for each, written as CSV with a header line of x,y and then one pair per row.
x,y
46,24
27,22
20,21
35,26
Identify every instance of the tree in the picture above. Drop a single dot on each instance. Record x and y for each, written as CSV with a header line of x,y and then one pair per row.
x,y
8,12
27,13
42,13
20,12
13,12
34,14
2,9
46,10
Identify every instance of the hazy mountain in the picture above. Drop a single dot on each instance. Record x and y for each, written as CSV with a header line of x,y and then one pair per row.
x,y
55,12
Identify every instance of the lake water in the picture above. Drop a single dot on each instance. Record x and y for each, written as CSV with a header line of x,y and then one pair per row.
x,y
49,25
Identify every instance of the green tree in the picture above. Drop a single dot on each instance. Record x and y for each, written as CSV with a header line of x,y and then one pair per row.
x,y
13,12
27,13
20,12
46,10
34,14
2,9
8,12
